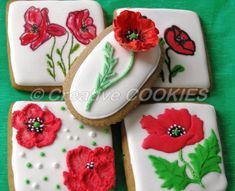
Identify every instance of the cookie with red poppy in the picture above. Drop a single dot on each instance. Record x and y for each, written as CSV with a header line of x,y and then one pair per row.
x,y
173,146
186,69
50,150
45,37
108,79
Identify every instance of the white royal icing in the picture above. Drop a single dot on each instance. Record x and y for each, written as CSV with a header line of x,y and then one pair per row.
x,y
196,74
29,67
53,163
143,171
116,97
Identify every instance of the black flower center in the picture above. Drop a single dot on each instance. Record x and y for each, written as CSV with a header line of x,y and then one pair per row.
x,y
90,165
180,39
35,125
176,131
132,35
84,28
34,28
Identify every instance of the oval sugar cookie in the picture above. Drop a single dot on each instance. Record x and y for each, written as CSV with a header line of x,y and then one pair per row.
x,y
106,81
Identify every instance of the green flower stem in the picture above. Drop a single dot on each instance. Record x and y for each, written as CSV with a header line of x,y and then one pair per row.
x,y
69,56
168,63
110,84
52,60
196,178
61,63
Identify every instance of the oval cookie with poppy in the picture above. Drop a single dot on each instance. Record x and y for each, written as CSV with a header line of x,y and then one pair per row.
x,y
109,78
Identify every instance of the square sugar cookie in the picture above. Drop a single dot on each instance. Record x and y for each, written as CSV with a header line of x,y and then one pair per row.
x,y
173,146
50,150
186,65
45,37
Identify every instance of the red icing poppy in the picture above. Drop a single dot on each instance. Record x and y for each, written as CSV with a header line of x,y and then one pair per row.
x,y
179,41
35,127
135,32
81,26
38,28
172,130
90,169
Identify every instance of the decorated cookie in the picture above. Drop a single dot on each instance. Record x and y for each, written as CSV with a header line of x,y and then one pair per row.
x,y
45,37
105,82
50,150
173,146
186,65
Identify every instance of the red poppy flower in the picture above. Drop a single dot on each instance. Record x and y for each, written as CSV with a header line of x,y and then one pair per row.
x,y
135,32
172,130
35,127
38,28
90,169
179,41
81,26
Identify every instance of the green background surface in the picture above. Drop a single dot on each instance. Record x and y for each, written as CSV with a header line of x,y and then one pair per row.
x,y
218,21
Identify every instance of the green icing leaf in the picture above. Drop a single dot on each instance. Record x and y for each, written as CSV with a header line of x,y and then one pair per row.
x,y
205,158
75,48
177,69
58,51
162,42
174,176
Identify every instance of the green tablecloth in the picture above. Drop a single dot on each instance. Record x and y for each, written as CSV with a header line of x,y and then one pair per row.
x,y
218,20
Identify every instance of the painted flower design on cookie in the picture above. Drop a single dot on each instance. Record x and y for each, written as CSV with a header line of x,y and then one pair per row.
x,y
172,130
90,169
81,26
135,32
38,28
179,41
35,127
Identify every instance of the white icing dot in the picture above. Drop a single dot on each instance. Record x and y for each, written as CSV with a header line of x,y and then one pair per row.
x,y
55,165
92,134
66,130
70,137
44,106
72,117
22,154
35,185
76,138
39,165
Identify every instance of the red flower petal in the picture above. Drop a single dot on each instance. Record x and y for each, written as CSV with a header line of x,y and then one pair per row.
x,y
18,120
26,138
28,38
33,16
166,143
91,181
152,125
104,154
48,116
32,111
78,158
56,30
72,182
196,130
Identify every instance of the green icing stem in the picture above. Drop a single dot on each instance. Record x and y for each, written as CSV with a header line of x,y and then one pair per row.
x,y
103,82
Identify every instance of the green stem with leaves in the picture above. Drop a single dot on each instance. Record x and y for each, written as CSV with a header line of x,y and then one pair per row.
x,y
196,178
69,56
50,61
61,63
104,81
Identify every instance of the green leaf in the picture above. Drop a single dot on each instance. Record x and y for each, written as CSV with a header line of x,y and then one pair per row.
x,y
162,42
176,69
58,51
75,48
174,176
205,158
48,56
50,73
50,64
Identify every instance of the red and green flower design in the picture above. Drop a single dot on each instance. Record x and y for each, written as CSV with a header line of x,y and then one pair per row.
x,y
180,42
35,127
171,132
90,169
38,29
